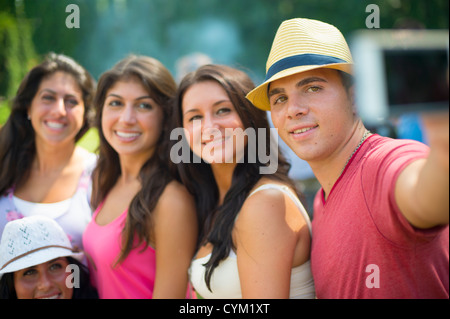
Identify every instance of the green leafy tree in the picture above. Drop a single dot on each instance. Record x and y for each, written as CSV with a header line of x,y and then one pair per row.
x,y
17,54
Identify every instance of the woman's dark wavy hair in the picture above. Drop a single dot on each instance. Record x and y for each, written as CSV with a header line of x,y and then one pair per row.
x,y
154,174
17,137
217,221
85,291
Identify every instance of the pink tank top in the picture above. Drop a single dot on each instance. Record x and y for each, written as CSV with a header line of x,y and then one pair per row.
x,y
134,278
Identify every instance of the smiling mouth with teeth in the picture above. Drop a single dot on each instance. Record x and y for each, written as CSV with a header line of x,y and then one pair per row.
x,y
55,125
303,130
216,141
127,135
57,296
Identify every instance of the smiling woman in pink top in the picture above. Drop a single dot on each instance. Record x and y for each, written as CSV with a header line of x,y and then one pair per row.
x,y
140,240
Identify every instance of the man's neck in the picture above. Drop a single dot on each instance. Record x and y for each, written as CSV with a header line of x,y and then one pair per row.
x,y
329,170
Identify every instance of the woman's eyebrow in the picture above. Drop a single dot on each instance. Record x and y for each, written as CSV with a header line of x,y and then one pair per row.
x,y
136,99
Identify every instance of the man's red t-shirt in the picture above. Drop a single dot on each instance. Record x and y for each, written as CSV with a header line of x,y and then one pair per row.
x,y
362,246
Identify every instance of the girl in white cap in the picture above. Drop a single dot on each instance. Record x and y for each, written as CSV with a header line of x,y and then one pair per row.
x,y
36,262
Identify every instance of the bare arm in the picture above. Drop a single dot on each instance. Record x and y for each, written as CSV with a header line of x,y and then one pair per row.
x,y
265,246
175,241
422,189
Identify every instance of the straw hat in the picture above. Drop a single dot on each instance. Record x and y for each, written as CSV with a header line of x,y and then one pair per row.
x,y
32,241
301,45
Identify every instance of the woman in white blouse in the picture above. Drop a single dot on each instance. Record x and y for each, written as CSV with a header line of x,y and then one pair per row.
x,y
42,170
255,240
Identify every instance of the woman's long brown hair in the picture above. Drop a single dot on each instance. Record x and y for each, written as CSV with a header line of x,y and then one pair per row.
x,y
17,137
217,221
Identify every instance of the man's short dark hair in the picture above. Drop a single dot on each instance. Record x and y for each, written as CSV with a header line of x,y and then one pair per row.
x,y
347,79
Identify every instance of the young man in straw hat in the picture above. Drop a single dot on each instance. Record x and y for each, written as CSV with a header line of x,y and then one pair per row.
x,y
380,227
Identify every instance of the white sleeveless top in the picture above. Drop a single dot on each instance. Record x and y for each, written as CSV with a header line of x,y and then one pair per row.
x,y
225,283
72,214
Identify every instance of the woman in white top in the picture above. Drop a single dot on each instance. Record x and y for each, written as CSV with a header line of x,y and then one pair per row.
x,y
255,236
42,170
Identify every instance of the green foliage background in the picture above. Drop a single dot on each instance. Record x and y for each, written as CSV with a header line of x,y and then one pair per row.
x,y
234,32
